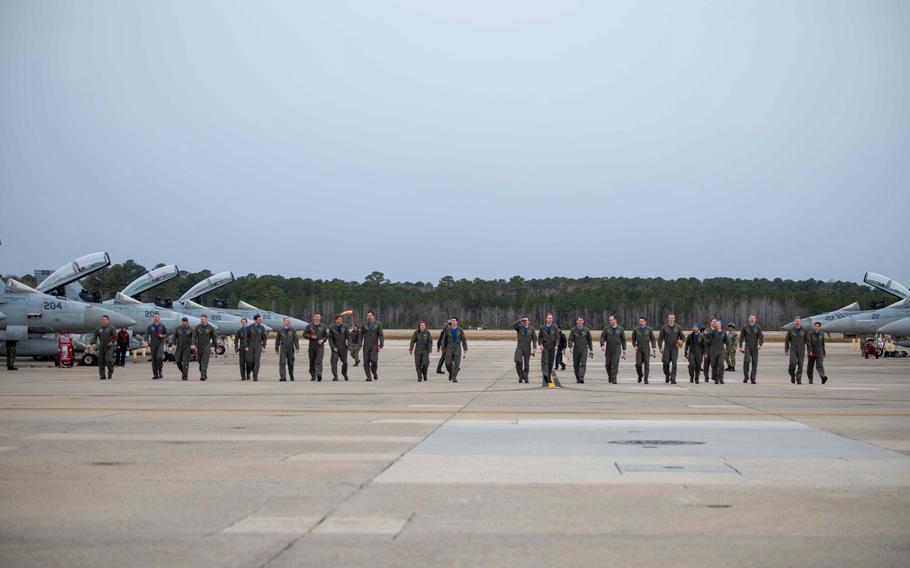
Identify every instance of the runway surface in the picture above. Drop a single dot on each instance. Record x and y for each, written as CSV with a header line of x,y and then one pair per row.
x,y
135,472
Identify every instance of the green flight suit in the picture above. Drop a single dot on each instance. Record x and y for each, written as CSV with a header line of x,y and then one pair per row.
x,y
795,346
338,343
731,351
582,345
643,339
373,340
815,348
10,354
106,342
354,344
286,345
668,339
259,338
242,348
452,346
316,335
695,354
613,339
442,358
752,338
548,339
421,345
525,347
157,337
717,342
205,339
183,341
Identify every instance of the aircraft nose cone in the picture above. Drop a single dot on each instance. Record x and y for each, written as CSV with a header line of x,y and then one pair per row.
x,y
788,327
838,326
94,312
899,328
120,320
2,316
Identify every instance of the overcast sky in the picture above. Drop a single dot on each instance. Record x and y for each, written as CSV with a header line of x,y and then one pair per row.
x,y
477,139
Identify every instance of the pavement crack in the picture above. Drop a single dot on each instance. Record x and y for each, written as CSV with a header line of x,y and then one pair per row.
x,y
405,525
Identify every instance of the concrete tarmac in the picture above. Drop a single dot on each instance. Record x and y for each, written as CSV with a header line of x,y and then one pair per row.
x,y
135,472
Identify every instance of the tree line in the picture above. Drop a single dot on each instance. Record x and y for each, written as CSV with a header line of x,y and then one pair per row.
x,y
495,304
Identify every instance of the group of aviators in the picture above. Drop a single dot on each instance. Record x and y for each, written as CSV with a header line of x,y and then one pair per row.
x,y
710,351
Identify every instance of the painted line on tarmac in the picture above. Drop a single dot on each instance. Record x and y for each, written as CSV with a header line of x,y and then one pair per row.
x,y
360,525
497,411
273,525
408,421
323,457
90,437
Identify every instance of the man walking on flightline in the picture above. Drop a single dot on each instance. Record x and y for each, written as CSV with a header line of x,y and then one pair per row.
x,y
815,347
286,345
442,359
354,343
259,337
731,348
695,353
123,347
106,342
183,347
753,338
373,342
582,346
242,347
642,337
338,343
795,347
317,334
561,348
547,341
707,362
156,335
669,341
204,338
613,344
421,345
716,342
11,355
452,344
525,347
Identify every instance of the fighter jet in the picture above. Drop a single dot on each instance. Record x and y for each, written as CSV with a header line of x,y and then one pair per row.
x,y
225,323
870,321
852,320
145,311
66,279
844,313
271,319
30,314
